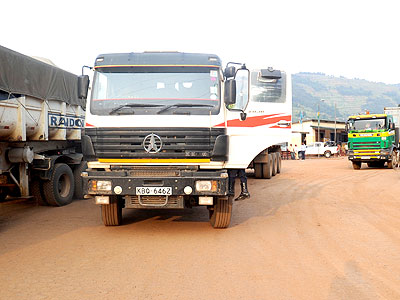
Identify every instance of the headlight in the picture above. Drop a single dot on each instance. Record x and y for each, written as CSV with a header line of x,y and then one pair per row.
x,y
100,185
385,151
206,186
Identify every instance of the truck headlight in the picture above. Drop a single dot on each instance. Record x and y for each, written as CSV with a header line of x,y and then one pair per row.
x,y
206,186
385,151
100,185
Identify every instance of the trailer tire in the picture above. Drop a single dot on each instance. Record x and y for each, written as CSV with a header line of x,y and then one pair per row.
x,y
222,213
59,190
258,170
37,192
78,194
356,165
111,214
267,167
279,162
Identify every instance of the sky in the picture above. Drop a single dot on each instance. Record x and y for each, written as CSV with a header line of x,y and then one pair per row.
x,y
350,38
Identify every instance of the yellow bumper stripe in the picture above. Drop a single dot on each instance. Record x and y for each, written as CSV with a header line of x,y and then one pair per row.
x,y
127,160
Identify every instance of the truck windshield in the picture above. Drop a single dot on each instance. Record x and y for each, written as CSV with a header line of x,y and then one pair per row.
x,y
367,124
194,90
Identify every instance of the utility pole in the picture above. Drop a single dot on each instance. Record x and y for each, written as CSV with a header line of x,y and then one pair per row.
x,y
335,122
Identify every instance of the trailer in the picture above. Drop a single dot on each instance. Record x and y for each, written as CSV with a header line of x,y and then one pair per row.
x,y
41,121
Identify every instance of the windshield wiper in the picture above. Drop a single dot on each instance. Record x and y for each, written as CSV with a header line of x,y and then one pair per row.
x,y
167,107
133,105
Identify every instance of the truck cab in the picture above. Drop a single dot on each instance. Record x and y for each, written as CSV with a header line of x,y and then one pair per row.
x,y
372,140
163,128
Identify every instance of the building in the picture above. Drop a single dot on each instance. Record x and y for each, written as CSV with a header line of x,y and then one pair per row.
x,y
307,131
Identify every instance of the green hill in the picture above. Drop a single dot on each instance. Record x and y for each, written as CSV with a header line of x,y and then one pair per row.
x,y
352,96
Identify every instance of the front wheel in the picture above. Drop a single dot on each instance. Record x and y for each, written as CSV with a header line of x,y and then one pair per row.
x,y
392,163
222,213
111,214
356,165
328,154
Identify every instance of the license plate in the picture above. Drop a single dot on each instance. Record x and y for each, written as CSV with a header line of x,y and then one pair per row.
x,y
366,157
154,190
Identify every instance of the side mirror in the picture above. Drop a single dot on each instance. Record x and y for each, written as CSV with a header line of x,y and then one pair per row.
x,y
392,126
83,86
230,92
230,72
243,116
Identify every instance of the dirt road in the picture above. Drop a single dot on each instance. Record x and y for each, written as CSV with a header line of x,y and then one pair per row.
x,y
318,230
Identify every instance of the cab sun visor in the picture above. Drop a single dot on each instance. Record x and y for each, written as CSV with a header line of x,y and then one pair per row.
x,y
271,74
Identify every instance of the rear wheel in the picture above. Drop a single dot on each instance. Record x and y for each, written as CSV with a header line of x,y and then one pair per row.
x,y
3,194
278,162
356,165
78,194
112,213
222,213
267,167
37,192
258,170
58,191
274,163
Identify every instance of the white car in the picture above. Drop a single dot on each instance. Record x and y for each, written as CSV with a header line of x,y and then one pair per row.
x,y
318,148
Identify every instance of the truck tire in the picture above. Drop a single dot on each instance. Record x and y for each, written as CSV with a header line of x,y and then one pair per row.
x,y
222,213
3,194
278,162
79,193
327,154
111,214
392,163
356,165
274,163
37,192
58,191
267,167
258,170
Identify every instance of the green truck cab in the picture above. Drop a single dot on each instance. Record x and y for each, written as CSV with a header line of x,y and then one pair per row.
x,y
373,139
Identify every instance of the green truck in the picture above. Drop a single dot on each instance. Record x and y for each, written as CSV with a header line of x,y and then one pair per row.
x,y
374,139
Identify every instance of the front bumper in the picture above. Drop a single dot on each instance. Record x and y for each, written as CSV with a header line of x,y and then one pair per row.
x,y
369,156
182,182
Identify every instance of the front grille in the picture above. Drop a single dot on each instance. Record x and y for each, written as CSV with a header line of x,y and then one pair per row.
x,y
154,173
176,142
154,202
367,145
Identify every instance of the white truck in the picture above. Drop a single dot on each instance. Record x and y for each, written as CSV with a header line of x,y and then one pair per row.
x,y
163,128
319,148
41,119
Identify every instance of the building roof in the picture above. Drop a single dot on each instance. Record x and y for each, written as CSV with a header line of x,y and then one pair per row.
x,y
324,121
